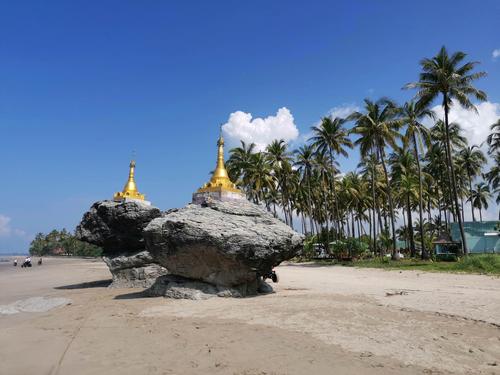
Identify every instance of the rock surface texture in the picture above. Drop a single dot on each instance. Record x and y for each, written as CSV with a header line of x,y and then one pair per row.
x,y
228,245
117,228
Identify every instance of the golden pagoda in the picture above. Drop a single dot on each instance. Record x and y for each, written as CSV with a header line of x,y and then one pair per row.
x,y
220,186
130,188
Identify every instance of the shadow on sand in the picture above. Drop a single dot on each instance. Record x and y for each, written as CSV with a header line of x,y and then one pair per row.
x,y
133,295
87,285
311,264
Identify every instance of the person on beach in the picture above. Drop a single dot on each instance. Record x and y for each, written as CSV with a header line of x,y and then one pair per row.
x,y
27,262
15,262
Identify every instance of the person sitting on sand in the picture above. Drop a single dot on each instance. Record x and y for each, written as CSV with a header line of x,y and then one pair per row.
x,y
40,261
15,262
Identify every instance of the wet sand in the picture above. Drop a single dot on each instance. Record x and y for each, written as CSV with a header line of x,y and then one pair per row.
x,y
321,320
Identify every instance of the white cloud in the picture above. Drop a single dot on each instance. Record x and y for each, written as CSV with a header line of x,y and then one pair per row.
x,y
496,53
476,126
6,230
261,131
343,111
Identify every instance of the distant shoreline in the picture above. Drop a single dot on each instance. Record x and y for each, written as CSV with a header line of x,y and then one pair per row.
x,y
6,257
12,254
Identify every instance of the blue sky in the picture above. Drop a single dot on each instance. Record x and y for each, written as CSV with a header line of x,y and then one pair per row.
x,y
85,83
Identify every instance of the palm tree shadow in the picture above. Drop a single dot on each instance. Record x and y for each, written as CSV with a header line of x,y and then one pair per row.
x,y
86,285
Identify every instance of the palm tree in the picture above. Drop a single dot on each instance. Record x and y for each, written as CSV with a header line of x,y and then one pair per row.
x,y
280,160
439,152
419,135
304,160
331,137
471,160
494,138
480,197
493,177
238,162
259,177
405,179
443,75
326,174
438,135
377,129
369,170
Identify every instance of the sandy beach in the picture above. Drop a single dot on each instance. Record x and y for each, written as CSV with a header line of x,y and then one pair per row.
x,y
321,320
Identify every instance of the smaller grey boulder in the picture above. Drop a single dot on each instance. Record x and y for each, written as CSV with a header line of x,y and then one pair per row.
x,y
116,227
134,271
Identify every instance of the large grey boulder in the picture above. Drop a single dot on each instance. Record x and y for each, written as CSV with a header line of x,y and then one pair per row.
x,y
224,244
117,228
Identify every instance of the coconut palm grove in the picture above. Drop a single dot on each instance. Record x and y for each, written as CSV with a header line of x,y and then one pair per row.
x,y
416,175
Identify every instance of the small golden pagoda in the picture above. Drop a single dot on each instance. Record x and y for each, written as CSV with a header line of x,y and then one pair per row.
x,y
130,188
220,186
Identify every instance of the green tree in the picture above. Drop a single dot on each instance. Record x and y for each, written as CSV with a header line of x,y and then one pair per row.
x,y
280,160
304,160
62,243
405,181
331,137
444,75
416,133
479,198
238,163
378,128
471,160
494,138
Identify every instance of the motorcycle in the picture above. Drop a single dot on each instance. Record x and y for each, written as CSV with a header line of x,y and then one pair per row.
x,y
271,275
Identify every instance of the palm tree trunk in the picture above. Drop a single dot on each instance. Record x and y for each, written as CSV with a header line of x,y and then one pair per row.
x,y
410,227
358,224
325,202
463,210
429,213
404,226
370,225
424,254
453,180
391,206
447,148
480,214
374,223
470,196
352,225
335,203
309,203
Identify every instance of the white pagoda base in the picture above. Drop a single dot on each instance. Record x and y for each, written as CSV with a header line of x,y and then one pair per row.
x,y
221,195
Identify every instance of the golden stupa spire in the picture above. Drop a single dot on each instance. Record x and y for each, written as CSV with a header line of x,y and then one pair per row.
x,y
220,178
130,189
